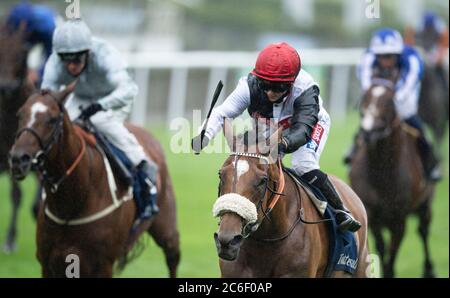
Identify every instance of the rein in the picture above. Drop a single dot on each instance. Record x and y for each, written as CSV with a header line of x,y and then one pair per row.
x,y
248,229
42,155
275,196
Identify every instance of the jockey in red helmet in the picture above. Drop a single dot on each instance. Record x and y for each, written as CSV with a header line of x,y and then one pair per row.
x,y
278,89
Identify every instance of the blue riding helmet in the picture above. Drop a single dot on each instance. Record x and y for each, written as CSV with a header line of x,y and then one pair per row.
x,y
430,20
386,41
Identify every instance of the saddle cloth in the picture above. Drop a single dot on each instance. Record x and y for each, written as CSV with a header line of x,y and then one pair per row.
x,y
123,168
343,251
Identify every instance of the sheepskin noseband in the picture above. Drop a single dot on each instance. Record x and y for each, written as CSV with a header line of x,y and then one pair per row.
x,y
233,202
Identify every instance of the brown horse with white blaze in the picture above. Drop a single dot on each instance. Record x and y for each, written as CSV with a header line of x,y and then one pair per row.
x,y
387,173
78,190
262,231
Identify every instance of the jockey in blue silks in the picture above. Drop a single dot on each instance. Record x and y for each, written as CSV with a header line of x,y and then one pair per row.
x,y
386,55
39,22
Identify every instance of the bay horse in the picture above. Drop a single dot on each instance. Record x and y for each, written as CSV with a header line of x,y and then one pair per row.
x,y
387,173
14,90
278,245
74,217
433,102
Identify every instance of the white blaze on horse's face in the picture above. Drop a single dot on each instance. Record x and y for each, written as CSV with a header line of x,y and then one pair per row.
x,y
371,112
38,107
241,167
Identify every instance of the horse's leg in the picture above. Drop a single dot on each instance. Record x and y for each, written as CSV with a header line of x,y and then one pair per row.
x,y
379,242
37,200
16,195
397,233
170,244
424,224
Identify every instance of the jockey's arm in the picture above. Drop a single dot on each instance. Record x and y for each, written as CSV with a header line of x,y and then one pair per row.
x,y
409,83
304,118
366,70
124,93
233,106
51,76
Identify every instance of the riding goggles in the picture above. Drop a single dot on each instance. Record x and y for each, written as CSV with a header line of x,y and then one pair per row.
x,y
275,87
72,57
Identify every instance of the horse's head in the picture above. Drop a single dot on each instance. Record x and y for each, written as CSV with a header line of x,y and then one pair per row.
x,y
378,112
13,60
247,180
41,121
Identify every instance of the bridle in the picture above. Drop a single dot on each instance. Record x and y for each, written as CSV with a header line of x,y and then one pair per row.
x,y
275,194
390,127
38,161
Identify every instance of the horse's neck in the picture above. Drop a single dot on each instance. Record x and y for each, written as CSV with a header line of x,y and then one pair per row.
x,y
70,197
283,214
385,155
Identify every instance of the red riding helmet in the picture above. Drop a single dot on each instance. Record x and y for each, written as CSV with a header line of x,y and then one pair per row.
x,y
278,62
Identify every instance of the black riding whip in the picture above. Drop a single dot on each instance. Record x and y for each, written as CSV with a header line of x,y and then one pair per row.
x,y
213,103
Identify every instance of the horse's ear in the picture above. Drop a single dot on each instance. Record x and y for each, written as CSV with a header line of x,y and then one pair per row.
x,y
228,133
62,95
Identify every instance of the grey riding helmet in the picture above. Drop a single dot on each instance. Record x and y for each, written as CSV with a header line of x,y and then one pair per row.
x,y
73,36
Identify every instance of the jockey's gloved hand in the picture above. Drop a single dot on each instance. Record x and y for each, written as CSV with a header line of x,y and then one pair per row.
x,y
91,110
283,145
198,143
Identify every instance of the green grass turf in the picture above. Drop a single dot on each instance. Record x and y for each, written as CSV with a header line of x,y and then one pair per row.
x,y
195,180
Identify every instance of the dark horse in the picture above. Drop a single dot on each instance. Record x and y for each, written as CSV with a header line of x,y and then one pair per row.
x,y
74,218
14,90
278,245
433,102
387,173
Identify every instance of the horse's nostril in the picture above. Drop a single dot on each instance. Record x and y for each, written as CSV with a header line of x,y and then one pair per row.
x,y
25,158
236,240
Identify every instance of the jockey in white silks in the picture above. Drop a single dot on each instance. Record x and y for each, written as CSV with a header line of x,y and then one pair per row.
x,y
104,91
278,89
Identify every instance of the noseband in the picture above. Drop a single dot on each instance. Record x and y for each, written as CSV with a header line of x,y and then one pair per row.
x,y
41,156
274,194
54,138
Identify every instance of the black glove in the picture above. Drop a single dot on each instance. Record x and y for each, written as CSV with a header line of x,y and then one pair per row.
x,y
198,144
283,145
91,110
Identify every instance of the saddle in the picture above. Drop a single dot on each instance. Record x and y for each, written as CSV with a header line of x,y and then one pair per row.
x,y
343,251
121,165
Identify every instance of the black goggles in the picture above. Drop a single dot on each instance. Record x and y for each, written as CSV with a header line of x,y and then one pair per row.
x,y
72,57
387,56
275,87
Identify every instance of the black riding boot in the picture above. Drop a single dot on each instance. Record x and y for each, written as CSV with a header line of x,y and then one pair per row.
x,y
349,155
149,170
344,219
352,150
430,162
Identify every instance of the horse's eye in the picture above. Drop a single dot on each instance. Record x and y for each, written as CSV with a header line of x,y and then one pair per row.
x,y
52,121
262,182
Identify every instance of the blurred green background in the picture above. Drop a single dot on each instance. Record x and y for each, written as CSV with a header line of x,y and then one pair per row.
x,y
195,180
